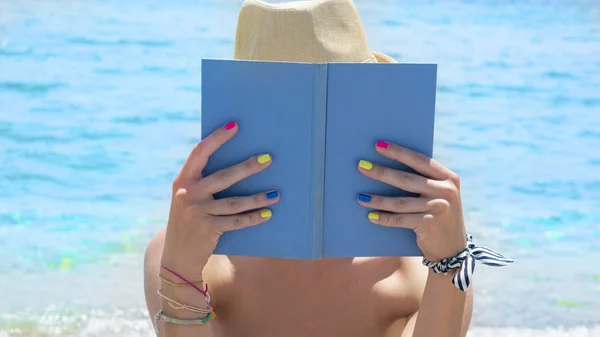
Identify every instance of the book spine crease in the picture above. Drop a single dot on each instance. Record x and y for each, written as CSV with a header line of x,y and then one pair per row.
x,y
318,157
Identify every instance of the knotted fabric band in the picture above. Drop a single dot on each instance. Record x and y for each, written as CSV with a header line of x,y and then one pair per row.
x,y
465,260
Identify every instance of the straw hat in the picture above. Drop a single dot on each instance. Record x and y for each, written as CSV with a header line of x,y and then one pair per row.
x,y
315,31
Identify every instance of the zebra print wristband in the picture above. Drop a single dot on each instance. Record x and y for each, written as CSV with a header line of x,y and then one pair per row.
x,y
465,261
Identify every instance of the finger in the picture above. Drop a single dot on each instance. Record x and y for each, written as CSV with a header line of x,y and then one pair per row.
x,y
239,221
419,162
404,180
196,161
236,205
394,204
224,178
410,221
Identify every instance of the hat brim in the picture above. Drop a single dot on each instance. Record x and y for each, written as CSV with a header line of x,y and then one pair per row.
x,y
382,58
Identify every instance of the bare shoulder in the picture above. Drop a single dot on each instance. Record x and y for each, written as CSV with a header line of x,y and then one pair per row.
x,y
151,265
153,256
407,287
414,273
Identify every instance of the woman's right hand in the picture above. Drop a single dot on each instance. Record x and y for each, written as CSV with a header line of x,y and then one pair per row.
x,y
196,219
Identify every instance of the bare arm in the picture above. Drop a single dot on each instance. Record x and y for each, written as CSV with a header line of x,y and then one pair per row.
x,y
186,295
445,310
196,221
436,217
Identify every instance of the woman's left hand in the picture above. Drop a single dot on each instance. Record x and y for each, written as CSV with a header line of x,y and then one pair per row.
x,y
436,216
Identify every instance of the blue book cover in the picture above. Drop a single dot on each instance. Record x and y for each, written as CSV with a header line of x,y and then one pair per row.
x,y
317,121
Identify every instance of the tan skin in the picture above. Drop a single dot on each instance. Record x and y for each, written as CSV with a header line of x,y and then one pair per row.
x,y
331,297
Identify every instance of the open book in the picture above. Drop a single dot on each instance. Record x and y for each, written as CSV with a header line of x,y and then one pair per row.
x,y
317,121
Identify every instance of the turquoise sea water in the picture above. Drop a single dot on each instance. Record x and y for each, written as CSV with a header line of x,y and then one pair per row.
x,y
99,105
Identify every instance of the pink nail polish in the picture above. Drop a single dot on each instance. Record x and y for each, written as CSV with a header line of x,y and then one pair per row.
x,y
382,144
229,125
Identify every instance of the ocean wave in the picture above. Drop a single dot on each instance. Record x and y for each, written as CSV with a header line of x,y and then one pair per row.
x,y
16,52
444,88
479,94
50,136
521,144
21,177
109,71
190,88
161,69
393,23
141,70
120,42
524,332
56,108
497,64
553,188
136,323
594,161
179,116
31,138
590,102
466,146
30,87
558,75
589,134
585,102
135,120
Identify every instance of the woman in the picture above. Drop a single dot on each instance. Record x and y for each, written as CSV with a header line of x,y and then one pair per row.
x,y
330,297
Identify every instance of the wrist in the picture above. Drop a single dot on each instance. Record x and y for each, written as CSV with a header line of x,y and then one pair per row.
x,y
442,282
441,276
191,271
187,295
448,255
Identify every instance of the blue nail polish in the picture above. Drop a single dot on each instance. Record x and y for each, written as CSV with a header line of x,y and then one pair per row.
x,y
272,195
364,197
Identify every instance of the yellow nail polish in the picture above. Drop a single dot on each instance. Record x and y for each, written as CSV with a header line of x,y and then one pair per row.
x,y
266,213
373,216
367,165
263,158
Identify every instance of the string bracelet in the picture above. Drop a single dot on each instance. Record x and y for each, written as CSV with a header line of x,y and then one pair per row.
x,y
203,292
178,306
171,283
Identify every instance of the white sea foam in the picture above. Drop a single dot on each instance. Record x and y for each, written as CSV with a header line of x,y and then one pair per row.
x,y
141,328
135,323
523,332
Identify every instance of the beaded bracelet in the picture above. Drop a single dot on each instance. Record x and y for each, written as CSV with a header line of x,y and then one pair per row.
x,y
166,319
465,261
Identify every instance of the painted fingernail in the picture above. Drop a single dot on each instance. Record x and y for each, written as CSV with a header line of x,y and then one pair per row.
x,y
364,197
229,125
367,165
373,216
266,213
263,158
382,145
272,195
